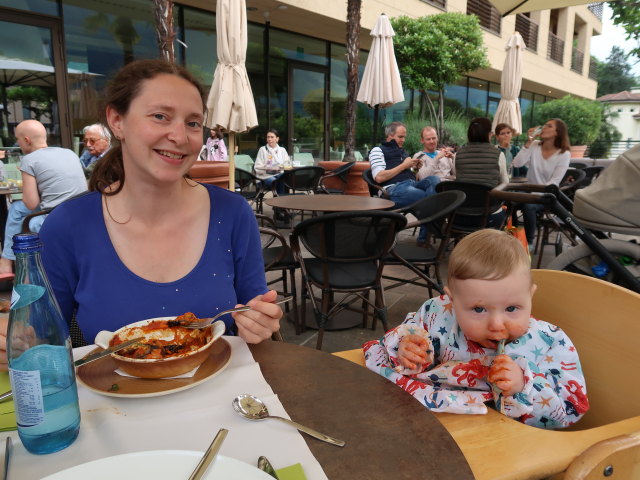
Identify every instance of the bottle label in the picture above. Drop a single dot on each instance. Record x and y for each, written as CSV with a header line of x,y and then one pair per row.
x,y
27,392
24,294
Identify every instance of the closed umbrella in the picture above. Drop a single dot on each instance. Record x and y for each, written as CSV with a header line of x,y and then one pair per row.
x,y
381,85
509,7
230,104
509,106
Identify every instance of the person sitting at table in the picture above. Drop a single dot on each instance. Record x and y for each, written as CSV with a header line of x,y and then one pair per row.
x,y
50,175
271,159
438,162
548,160
147,241
504,133
447,355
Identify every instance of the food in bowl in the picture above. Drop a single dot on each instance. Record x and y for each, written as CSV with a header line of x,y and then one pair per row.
x,y
168,349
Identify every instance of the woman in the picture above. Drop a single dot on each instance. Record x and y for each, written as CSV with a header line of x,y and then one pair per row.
x,y
504,133
548,160
271,159
147,241
216,149
480,162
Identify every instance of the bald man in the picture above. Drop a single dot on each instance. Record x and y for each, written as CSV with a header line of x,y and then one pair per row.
x,y
50,175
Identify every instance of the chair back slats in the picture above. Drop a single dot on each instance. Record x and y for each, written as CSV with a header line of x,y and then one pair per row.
x,y
478,201
303,179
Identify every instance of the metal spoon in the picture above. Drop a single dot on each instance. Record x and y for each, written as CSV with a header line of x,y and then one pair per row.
x,y
254,409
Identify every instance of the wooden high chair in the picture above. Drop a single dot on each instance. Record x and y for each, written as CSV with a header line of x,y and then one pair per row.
x,y
603,321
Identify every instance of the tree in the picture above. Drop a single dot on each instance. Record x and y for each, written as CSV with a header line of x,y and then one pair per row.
x,y
614,74
354,8
163,15
583,117
435,50
627,15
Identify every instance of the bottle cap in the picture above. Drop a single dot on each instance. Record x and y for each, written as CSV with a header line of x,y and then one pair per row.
x,y
26,242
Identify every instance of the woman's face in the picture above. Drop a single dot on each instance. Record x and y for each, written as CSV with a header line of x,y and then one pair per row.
x,y
162,131
504,137
272,139
549,131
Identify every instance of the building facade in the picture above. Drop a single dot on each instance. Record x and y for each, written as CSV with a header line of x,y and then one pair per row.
x,y
58,55
626,107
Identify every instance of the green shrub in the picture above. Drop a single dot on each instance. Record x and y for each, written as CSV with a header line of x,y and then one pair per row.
x,y
583,117
455,130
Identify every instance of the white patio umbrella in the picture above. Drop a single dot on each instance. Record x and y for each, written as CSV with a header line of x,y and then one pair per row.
x,y
509,107
230,104
510,7
381,85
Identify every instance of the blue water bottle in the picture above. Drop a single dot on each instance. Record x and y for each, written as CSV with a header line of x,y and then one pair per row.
x,y
40,359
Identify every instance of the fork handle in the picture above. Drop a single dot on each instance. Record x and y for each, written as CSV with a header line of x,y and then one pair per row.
x,y
312,432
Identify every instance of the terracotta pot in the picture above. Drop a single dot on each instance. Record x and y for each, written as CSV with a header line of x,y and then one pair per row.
x,y
213,173
577,151
355,184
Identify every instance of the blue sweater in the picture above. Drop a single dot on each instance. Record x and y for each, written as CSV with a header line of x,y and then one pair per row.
x,y
86,273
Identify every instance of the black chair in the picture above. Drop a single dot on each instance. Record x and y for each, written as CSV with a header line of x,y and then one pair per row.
x,y
298,181
572,180
578,165
592,173
250,187
278,257
375,190
28,218
341,173
436,213
475,211
347,251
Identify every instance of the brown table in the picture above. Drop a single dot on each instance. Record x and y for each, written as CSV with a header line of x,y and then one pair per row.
x,y
388,433
329,203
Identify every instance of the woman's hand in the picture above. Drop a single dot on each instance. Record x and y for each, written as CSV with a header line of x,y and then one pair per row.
x,y
412,351
261,321
507,375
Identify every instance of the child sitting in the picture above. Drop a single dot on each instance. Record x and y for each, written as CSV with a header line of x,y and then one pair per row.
x,y
446,354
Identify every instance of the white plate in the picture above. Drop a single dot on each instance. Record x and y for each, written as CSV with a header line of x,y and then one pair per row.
x,y
160,465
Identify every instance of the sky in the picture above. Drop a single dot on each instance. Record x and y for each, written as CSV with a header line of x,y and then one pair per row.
x,y
612,35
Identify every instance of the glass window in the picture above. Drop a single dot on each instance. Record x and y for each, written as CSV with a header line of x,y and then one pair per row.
x,y
526,107
297,47
478,97
200,37
48,7
494,99
455,95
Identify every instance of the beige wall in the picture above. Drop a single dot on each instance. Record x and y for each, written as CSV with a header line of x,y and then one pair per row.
x,y
326,19
628,126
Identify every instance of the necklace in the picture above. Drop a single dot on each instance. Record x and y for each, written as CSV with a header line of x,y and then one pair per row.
x,y
106,204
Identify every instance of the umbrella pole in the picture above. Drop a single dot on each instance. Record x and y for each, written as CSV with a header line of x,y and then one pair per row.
x,y
374,134
232,161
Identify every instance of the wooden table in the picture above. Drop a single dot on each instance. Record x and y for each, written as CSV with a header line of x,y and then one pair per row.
x,y
388,433
329,203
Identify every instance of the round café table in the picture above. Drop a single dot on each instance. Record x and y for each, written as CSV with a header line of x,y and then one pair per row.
x,y
329,203
388,433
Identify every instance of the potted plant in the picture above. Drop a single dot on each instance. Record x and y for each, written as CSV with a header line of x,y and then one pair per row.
x,y
583,118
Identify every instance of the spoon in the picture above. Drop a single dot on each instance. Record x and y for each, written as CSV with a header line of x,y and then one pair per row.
x,y
254,409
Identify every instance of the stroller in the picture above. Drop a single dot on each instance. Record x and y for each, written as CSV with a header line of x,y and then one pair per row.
x,y
610,205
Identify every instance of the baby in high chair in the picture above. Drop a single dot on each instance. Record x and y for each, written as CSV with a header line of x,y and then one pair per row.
x,y
447,355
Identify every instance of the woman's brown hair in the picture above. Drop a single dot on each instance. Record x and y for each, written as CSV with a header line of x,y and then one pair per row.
x,y
121,91
561,141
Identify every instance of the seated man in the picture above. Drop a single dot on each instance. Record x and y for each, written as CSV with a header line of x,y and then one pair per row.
x,y
392,167
50,175
435,162
97,141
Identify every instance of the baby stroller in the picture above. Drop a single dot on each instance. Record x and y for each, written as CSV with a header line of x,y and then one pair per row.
x,y
610,205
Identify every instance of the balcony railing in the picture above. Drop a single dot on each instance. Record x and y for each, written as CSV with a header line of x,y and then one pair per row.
x,y
529,31
489,17
577,60
596,9
555,48
438,3
593,69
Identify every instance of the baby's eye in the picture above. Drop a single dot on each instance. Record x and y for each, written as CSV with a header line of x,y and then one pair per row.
x,y
511,308
479,309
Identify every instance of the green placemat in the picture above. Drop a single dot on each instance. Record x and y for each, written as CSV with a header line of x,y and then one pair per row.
x,y
7,414
294,472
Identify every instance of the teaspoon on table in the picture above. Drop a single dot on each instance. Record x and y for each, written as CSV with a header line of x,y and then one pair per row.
x,y
254,409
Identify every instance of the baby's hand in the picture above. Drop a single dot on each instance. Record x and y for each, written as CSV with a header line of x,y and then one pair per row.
x,y
412,351
505,374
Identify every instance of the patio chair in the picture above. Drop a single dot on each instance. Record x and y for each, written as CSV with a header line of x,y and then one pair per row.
x,y
346,256
298,181
578,165
375,190
244,162
436,213
278,257
605,439
339,173
250,187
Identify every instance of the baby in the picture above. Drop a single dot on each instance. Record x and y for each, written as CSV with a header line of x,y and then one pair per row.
x,y
446,354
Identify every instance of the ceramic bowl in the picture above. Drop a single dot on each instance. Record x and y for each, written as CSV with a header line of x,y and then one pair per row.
x,y
162,367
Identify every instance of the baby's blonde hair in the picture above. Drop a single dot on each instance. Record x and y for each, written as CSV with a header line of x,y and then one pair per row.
x,y
487,255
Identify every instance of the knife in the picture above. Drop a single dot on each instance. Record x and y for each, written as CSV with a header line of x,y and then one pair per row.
x,y
209,455
89,358
266,467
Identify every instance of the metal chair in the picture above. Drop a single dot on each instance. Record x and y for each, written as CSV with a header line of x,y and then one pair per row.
x,y
436,213
347,251
298,181
340,173
250,187
375,190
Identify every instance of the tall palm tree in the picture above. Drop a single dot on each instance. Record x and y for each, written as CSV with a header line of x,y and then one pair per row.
x,y
163,14
354,8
